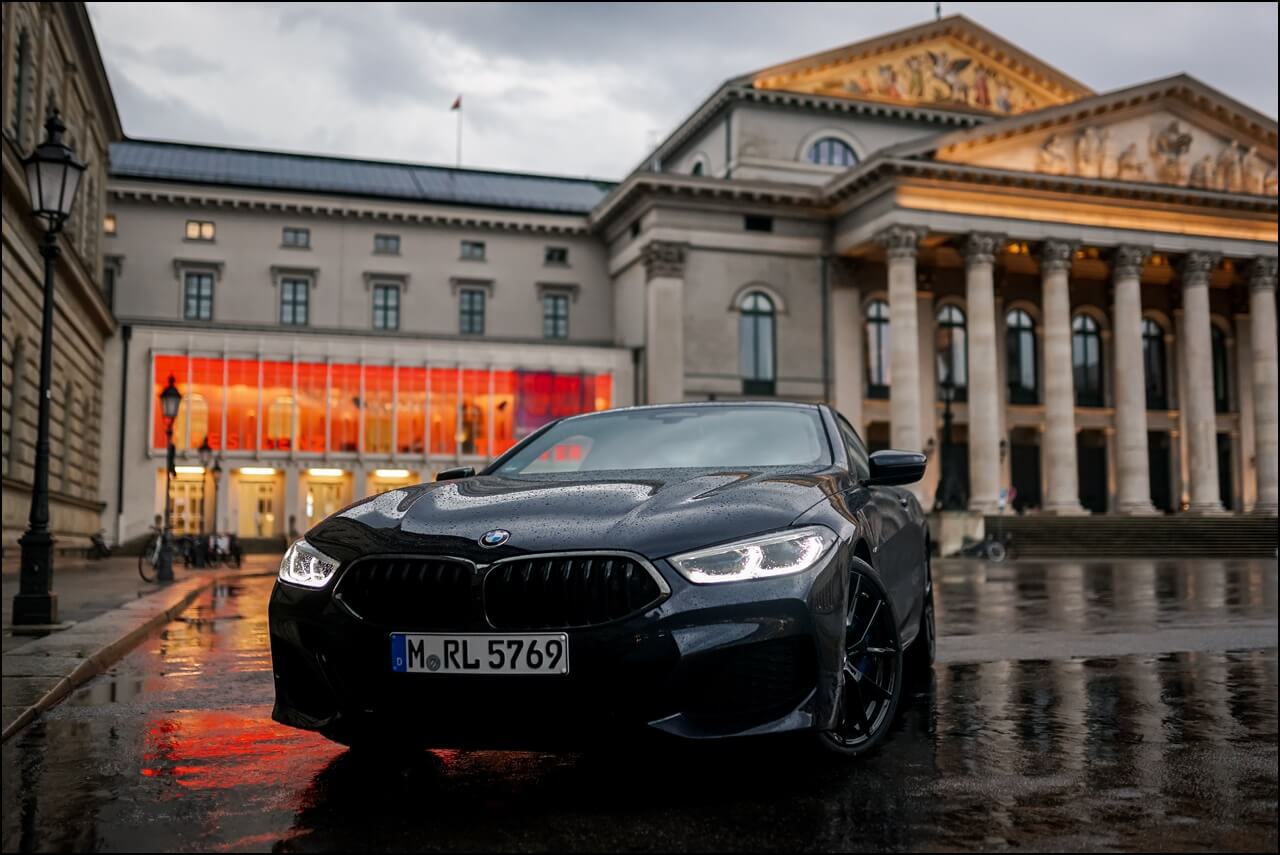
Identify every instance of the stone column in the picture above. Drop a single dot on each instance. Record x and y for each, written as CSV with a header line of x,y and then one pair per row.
x,y
926,489
1058,442
1133,488
1197,354
900,244
294,504
847,349
985,400
1262,335
664,322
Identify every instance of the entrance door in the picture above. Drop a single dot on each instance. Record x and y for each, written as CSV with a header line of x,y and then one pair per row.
x,y
323,498
1091,456
188,507
257,509
1024,461
1226,485
1159,452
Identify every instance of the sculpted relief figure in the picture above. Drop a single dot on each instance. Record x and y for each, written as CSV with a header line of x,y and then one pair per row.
x,y
1269,182
1052,157
1090,144
1202,173
1227,174
1169,149
1254,170
1130,166
1109,164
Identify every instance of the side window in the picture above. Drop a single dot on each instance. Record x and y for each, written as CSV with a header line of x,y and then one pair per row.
x,y
859,462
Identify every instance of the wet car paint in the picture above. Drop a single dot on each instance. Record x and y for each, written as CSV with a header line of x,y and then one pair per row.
x,y
174,749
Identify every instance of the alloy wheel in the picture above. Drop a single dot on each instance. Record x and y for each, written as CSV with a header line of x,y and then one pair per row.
x,y
872,668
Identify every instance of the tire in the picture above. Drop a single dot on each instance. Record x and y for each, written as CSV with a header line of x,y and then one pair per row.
x,y
146,569
995,552
918,664
871,681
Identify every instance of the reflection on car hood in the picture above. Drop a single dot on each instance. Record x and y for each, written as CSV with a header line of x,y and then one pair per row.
x,y
654,512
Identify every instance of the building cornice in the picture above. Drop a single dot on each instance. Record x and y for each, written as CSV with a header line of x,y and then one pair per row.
x,y
702,188
135,190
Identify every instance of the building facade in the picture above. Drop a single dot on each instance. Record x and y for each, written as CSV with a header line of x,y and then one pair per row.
x,y
927,228
50,60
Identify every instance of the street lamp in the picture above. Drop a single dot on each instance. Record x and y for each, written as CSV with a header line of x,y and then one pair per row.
x,y
205,453
170,400
53,174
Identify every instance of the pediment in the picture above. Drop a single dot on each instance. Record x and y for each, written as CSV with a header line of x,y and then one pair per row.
x,y
1167,140
952,64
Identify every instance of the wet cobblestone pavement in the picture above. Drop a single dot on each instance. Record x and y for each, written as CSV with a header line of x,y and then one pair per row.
x,y
1125,706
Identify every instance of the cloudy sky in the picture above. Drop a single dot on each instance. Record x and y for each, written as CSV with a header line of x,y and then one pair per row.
x,y
578,88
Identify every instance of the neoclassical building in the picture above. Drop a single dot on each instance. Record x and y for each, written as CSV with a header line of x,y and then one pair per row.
x,y
50,59
924,228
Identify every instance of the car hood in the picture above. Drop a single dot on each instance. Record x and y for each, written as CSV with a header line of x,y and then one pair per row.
x,y
655,513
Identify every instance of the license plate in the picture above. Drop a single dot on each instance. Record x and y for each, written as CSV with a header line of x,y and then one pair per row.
x,y
542,653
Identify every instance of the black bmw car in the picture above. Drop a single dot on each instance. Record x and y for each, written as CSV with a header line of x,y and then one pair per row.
x,y
701,570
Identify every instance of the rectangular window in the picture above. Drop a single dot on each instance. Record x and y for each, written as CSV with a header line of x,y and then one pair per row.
x,y
200,230
473,413
295,295
444,411
243,383
471,312
344,408
555,316
377,403
473,250
313,380
386,307
411,409
556,255
164,367
204,401
277,405
198,298
109,224
757,223
299,238
386,244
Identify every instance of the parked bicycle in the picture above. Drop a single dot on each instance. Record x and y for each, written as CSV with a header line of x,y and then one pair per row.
x,y
150,556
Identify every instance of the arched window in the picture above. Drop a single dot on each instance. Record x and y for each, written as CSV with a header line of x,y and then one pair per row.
x,y
1020,342
756,340
1153,362
697,169
830,151
1086,361
878,349
1221,373
953,353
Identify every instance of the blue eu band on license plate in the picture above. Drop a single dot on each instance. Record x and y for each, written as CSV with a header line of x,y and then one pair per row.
x,y
442,653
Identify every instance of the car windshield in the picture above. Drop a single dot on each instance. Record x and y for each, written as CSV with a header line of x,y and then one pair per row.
x,y
720,436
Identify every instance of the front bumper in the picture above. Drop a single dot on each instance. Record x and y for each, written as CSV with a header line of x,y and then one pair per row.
x,y
709,661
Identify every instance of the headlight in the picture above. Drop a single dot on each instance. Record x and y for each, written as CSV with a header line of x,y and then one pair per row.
x,y
307,566
791,551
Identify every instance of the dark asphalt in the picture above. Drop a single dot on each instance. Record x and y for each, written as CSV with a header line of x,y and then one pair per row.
x,y
1044,729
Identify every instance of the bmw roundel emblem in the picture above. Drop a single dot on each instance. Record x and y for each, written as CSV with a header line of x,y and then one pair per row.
x,y
497,537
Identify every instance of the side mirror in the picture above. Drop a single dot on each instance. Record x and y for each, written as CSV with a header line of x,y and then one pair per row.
x,y
896,467
455,474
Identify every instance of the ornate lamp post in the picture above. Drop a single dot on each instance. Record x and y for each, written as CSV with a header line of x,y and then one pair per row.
x,y
53,174
205,453
170,400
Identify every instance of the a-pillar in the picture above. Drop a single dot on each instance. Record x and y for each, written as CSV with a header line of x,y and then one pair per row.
x,y
900,245
1058,448
1262,335
664,322
984,378
846,341
1133,476
1197,356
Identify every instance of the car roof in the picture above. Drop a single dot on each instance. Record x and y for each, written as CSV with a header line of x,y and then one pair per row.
x,y
697,404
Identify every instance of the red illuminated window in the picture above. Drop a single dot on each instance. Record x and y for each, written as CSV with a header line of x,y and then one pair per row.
x,y
242,404
277,405
504,411
313,381
378,400
473,431
166,366
344,407
411,410
206,401
444,411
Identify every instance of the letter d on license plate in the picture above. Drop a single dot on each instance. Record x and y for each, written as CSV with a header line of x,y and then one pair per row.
x,y
430,653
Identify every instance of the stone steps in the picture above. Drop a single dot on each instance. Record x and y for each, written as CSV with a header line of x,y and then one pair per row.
x,y
1238,536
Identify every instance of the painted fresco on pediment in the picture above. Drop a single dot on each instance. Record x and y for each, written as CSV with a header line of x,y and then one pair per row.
x,y
939,73
1161,148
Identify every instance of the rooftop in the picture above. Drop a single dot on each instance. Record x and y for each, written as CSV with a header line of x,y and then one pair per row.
x,y
154,160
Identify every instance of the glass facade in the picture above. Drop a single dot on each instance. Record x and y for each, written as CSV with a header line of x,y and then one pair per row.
x,y
347,407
